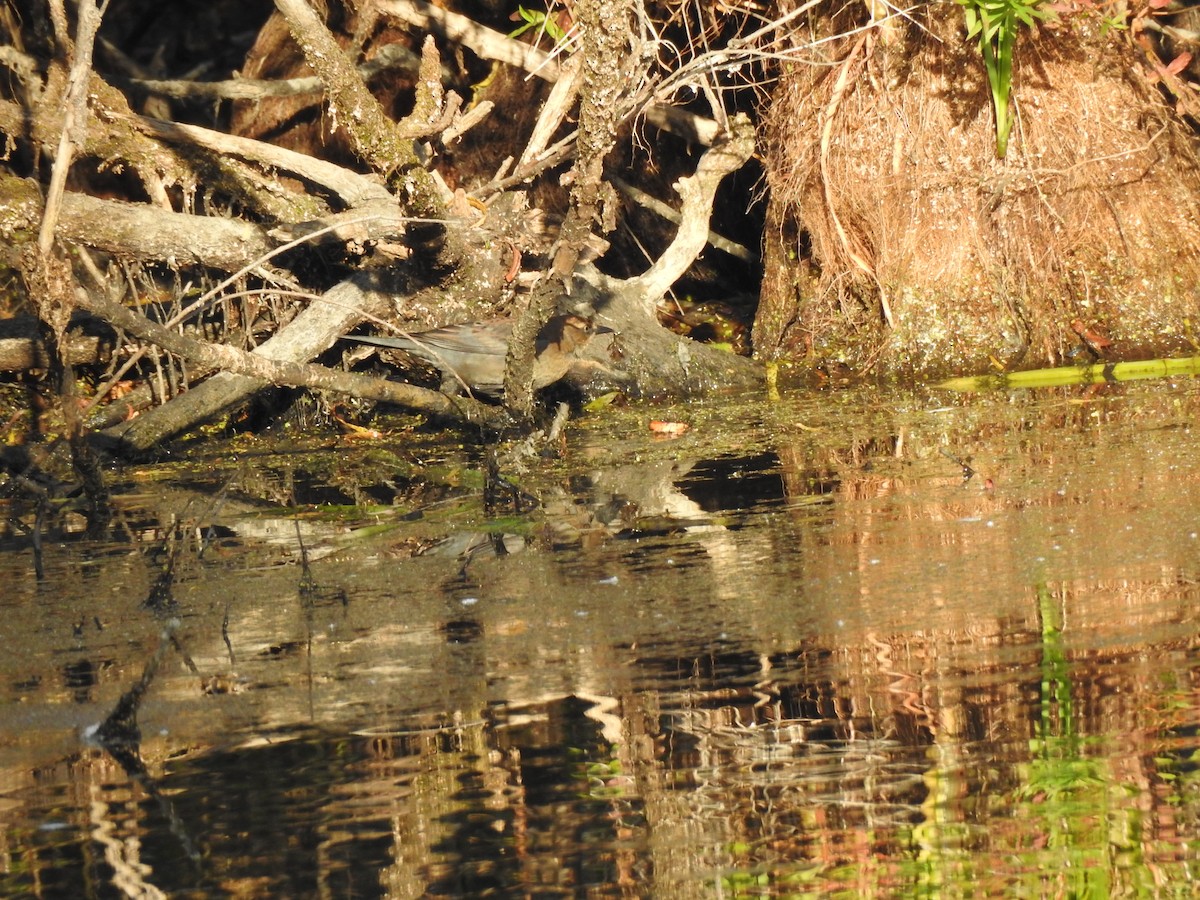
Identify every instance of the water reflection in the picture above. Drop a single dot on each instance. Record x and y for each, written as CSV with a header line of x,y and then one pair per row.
x,y
791,653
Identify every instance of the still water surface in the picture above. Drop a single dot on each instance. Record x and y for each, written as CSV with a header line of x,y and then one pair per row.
x,y
791,653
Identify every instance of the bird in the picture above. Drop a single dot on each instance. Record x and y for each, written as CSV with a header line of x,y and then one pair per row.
x,y
474,354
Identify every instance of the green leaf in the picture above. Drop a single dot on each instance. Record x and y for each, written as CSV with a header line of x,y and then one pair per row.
x,y
996,24
535,18
973,23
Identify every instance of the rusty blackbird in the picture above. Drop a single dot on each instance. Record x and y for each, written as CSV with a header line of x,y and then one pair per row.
x,y
474,354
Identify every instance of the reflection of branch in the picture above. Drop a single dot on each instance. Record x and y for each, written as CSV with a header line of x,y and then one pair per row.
x,y
121,737
120,728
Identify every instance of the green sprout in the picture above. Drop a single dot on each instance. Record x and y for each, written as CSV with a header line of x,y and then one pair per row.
x,y
535,18
996,23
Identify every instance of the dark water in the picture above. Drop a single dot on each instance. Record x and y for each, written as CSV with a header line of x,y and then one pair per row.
x,y
791,653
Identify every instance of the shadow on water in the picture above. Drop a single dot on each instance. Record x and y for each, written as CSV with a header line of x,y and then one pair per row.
x,y
877,642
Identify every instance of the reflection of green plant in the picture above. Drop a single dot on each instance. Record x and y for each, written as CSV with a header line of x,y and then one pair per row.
x,y
535,18
995,23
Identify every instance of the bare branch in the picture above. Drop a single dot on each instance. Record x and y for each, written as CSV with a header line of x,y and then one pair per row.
x,y
376,139
225,358
74,128
311,332
483,42
354,189
391,56
656,206
138,230
697,193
